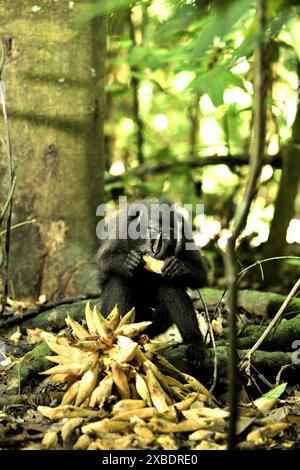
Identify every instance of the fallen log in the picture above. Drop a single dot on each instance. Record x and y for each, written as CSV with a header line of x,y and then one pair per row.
x,y
268,362
262,304
27,368
280,339
258,303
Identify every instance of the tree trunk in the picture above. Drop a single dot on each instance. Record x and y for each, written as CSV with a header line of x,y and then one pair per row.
x,y
285,202
54,75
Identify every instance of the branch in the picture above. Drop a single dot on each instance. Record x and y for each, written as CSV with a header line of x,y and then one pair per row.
x,y
194,162
44,308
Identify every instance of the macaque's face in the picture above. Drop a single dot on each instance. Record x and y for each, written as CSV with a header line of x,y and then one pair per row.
x,y
156,229
161,239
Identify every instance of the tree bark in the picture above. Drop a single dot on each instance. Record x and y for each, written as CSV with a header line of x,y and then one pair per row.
x,y
54,75
285,202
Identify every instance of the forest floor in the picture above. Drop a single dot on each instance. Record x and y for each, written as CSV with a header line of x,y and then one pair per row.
x,y
110,387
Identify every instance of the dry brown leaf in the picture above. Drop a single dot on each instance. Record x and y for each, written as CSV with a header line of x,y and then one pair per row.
x,y
261,435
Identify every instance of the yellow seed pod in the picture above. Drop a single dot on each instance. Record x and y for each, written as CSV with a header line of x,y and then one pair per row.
x,y
142,388
113,318
157,394
87,385
152,264
70,395
100,323
120,379
90,318
132,329
128,318
78,330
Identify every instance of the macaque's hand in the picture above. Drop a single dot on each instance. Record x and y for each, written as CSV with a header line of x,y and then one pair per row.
x,y
133,261
173,267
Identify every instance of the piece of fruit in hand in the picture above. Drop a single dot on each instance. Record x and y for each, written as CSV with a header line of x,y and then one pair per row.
x,y
152,264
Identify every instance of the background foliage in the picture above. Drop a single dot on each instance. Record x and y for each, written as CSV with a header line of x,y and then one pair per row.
x,y
180,89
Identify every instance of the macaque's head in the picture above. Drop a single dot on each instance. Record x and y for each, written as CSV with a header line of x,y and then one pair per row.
x,y
159,226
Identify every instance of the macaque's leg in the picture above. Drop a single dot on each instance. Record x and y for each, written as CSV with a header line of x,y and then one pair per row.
x,y
117,290
175,306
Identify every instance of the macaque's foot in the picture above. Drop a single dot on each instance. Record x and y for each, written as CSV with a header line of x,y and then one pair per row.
x,y
196,353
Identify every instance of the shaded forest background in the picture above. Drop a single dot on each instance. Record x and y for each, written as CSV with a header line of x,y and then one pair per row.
x,y
176,78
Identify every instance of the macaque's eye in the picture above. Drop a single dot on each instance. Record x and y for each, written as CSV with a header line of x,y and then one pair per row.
x,y
153,228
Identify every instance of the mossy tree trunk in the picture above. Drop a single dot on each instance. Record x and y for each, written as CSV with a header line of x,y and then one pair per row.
x,y
54,75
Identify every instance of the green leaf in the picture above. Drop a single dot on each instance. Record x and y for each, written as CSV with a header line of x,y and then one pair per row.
x,y
275,392
220,25
215,81
145,56
268,400
247,46
177,25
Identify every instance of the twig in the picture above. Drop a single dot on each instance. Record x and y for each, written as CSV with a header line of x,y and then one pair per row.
x,y
20,224
273,322
231,275
259,262
241,214
11,182
7,203
262,377
212,336
213,316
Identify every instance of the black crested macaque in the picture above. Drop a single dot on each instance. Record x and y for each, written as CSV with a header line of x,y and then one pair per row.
x,y
159,230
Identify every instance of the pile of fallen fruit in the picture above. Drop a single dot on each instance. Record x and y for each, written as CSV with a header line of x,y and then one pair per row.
x,y
121,393
113,389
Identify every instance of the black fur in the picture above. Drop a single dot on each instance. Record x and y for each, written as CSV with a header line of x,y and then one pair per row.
x,y
161,298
